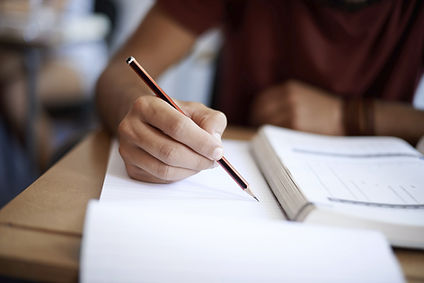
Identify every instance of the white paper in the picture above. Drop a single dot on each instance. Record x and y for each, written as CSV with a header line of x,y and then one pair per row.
x,y
129,242
211,190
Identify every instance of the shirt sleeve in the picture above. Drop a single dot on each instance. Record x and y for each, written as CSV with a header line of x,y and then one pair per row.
x,y
195,15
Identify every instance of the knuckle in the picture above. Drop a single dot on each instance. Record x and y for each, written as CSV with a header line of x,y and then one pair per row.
x,y
131,171
141,105
126,156
138,104
126,131
220,116
213,119
163,172
154,109
123,128
121,150
176,127
167,153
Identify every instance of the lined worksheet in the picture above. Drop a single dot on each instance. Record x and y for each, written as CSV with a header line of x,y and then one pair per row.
x,y
392,182
378,171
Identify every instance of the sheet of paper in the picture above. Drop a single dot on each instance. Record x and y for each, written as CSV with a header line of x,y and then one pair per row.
x,y
127,242
210,190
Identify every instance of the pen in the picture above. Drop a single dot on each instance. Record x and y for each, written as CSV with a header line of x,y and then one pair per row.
x,y
161,94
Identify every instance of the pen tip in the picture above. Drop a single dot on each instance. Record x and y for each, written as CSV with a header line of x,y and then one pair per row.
x,y
130,59
251,194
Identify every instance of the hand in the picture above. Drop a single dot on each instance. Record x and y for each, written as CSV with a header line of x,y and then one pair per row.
x,y
159,144
299,106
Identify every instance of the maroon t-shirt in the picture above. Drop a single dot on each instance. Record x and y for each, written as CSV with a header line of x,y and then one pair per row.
x,y
374,51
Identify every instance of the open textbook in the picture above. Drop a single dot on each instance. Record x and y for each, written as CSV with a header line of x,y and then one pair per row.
x,y
364,182
206,229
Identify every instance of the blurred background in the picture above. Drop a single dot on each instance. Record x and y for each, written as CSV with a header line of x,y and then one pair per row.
x,y
51,54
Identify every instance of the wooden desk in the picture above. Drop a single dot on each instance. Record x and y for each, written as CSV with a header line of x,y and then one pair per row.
x,y
41,229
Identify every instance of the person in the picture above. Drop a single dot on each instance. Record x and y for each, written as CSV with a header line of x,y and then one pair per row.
x,y
65,75
338,67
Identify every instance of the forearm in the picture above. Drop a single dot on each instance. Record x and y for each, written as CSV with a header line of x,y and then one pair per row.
x,y
116,91
398,119
118,86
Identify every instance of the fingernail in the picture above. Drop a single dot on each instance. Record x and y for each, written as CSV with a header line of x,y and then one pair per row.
x,y
217,136
217,153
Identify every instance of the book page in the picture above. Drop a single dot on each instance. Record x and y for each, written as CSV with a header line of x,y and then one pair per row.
x,y
124,242
371,171
212,189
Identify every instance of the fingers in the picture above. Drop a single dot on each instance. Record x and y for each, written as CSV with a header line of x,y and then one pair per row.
x,y
141,165
212,121
272,107
181,128
298,106
152,141
159,144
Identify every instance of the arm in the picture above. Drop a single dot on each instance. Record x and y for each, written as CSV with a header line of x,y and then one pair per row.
x,y
157,143
303,107
399,119
118,87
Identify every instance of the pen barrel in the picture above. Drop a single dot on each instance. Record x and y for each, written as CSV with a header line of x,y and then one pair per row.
x,y
148,80
233,173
